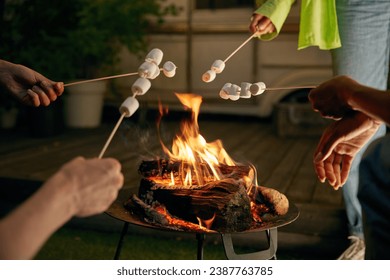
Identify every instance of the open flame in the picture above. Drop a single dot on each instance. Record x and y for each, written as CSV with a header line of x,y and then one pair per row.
x,y
200,160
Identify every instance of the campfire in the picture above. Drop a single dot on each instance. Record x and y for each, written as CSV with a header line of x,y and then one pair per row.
x,y
199,187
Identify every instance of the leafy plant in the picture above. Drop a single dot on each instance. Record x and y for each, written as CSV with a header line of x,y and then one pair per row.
x,y
73,39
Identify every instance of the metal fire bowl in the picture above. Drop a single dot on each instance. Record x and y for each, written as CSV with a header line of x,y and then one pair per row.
x,y
118,211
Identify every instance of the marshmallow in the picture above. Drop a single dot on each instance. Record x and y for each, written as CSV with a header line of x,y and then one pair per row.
x,y
169,69
129,106
148,70
218,66
209,76
245,93
156,73
141,86
234,92
155,56
257,88
224,92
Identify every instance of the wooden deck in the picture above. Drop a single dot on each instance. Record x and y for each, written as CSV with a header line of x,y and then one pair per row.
x,y
283,163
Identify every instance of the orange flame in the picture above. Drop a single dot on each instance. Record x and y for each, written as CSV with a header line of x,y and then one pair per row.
x,y
200,160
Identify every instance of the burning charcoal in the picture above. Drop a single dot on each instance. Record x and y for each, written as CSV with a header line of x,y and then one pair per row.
x,y
129,106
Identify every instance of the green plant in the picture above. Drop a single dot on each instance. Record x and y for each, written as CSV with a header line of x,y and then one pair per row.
x,y
75,38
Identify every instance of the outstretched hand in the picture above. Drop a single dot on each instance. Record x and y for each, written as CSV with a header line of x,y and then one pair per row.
x,y
338,146
28,86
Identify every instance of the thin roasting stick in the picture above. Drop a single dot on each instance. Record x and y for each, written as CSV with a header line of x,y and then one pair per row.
x,y
292,87
111,135
102,78
242,45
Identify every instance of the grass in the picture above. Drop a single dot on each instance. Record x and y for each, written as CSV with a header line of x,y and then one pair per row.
x,y
81,244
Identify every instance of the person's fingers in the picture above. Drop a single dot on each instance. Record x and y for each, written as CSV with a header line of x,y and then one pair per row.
x,y
59,88
43,98
49,90
346,167
32,98
337,170
320,170
329,171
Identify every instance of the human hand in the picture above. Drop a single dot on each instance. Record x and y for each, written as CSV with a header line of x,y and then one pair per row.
x,y
261,24
338,146
331,97
28,86
91,185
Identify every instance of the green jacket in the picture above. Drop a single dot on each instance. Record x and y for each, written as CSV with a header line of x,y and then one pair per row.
x,y
318,21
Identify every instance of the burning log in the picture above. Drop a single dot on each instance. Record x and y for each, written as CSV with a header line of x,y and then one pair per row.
x,y
164,168
225,202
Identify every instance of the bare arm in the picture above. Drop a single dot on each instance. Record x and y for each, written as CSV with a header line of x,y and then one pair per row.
x,y
80,188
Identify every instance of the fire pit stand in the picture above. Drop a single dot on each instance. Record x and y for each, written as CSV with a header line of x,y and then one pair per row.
x,y
118,211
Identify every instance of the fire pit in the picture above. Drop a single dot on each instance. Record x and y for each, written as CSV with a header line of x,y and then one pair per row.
x,y
199,188
269,228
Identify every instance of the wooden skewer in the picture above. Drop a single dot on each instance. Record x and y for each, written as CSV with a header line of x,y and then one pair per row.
x,y
111,135
100,79
240,46
292,87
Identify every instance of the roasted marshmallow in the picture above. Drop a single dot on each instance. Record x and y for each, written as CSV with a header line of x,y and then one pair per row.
x,y
209,76
257,88
218,66
224,92
169,69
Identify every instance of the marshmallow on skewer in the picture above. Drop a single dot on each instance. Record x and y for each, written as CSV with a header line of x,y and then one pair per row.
x,y
148,70
224,92
141,86
257,88
218,66
155,56
129,106
169,69
245,92
234,92
209,76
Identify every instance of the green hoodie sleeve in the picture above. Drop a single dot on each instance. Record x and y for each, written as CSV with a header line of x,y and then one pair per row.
x,y
277,11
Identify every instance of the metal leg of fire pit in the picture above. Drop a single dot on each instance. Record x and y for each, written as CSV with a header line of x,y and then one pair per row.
x,y
200,237
120,243
270,253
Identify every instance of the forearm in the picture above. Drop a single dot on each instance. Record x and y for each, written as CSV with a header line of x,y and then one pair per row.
x,y
26,229
372,102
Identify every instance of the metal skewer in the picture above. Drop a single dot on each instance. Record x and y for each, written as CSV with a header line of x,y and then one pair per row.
x,y
100,79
